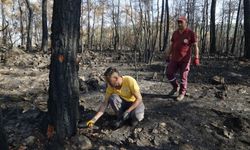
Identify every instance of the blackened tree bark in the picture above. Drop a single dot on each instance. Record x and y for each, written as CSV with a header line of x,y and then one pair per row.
x,y
166,25
212,28
161,23
247,27
3,141
44,46
63,78
29,27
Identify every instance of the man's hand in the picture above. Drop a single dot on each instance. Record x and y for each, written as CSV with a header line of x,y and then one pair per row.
x,y
196,61
125,115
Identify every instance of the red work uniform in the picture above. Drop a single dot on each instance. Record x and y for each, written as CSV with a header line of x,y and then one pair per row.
x,y
181,58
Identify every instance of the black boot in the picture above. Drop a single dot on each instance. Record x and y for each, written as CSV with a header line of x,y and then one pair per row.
x,y
117,124
134,122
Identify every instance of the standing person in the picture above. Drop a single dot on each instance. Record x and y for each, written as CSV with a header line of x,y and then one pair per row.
x,y
124,96
179,57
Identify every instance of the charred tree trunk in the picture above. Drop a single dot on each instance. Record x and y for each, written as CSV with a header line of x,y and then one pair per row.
x,y
247,27
44,46
212,28
29,27
3,140
166,31
63,79
161,23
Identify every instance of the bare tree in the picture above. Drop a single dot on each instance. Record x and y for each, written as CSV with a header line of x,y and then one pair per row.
x,y
212,28
204,28
29,27
88,28
102,24
228,25
116,23
44,46
63,78
236,28
166,27
4,32
21,22
221,34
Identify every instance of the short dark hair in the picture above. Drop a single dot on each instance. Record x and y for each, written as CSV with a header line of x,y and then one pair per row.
x,y
110,71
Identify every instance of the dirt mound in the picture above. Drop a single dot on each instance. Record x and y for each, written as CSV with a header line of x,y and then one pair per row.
x,y
18,57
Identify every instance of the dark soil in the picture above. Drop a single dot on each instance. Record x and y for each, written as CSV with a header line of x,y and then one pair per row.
x,y
214,114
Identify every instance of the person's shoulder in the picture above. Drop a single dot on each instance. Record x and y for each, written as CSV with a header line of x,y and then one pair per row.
x,y
129,78
176,31
190,31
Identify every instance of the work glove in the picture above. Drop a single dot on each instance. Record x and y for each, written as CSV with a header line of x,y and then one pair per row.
x,y
125,115
196,61
90,123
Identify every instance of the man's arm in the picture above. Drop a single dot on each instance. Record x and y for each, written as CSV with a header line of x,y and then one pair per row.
x,y
196,61
196,50
137,102
101,109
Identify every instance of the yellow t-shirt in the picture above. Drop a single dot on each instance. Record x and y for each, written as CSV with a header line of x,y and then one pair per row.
x,y
127,91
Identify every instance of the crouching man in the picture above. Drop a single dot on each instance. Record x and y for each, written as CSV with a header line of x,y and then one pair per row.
x,y
124,96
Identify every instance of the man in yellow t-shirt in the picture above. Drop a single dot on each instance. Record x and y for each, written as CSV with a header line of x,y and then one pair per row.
x,y
124,96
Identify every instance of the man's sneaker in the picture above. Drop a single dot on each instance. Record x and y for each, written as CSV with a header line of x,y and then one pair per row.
x,y
180,97
173,92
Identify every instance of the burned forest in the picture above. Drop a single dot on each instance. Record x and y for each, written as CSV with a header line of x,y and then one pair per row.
x,y
125,74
